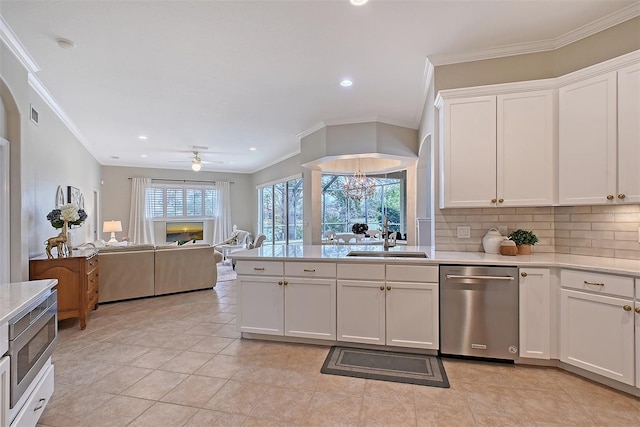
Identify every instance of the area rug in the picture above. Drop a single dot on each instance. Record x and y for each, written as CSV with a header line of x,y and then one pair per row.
x,y
386,366
226,273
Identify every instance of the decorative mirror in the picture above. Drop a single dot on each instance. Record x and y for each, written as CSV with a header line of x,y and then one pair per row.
x,y
59,197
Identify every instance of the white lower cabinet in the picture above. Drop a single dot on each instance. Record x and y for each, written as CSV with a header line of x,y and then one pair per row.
x,y
361,311
597,334
412,315
310,308
37,401
287,306
4,390
261,305
401,312
637,311
535,313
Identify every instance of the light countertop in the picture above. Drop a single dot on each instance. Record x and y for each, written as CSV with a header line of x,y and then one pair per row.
x,y
15,296
339,252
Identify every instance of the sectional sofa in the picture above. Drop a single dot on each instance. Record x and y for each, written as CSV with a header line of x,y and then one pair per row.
x,y
136,271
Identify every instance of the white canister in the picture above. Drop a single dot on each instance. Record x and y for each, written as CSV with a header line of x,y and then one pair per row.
x,y
491,241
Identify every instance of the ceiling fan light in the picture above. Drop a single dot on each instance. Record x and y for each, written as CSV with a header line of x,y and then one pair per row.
x,y
196,165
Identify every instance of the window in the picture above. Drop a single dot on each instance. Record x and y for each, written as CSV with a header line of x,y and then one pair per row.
x,y
281,212
339,212
166,202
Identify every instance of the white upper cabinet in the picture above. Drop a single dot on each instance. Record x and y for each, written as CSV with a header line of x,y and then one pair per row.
x,y
599,138
587,141
469,152
629,134
525,149
497,150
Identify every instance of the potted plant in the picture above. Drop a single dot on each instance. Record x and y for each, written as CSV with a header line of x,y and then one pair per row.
x,y
359,228
524,240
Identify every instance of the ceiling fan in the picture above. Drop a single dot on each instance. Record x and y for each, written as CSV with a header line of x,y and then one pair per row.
x,y
196,160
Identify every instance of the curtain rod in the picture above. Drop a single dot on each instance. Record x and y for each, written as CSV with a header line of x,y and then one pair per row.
x,y
184,180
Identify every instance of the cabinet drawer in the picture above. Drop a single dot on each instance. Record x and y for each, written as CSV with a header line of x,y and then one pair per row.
x,y
92,263
413,273
34,407
260,268
597,282
361,271
309,269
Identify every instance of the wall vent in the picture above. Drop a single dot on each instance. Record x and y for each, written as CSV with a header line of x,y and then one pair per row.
x,y
34,114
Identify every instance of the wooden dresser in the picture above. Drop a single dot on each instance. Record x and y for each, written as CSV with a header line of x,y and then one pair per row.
x,y
78,285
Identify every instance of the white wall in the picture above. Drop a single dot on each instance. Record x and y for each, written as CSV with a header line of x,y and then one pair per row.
x,y
116,195
41,158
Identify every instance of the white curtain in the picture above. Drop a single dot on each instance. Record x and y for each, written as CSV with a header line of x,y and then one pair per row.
x,y
140,227
222,226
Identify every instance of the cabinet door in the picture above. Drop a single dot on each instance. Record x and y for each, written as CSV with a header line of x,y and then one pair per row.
x,y
535,314
525,143
4,391
361,306
629,134
412,315
310,308
587,141
597,334
637,311
468,169
261,305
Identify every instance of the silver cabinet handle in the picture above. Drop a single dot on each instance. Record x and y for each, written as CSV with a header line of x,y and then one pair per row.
x,y
456,276
310,270
593,283
41,404
258,268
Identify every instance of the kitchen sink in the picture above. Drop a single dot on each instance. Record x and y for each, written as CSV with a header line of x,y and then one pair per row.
x,y
387,254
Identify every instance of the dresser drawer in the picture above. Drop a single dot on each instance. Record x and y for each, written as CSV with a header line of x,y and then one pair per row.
x,y
92,264
361,271
413,273
260,268
597,282
310,269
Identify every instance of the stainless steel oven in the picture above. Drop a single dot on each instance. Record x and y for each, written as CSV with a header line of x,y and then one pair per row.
x,y
32,337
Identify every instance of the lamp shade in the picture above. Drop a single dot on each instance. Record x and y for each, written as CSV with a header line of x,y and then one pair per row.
x,y
112,227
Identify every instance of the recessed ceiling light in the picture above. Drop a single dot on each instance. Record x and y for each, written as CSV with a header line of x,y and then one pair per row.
x,y
358,2
346,83
252,149
143,155
65,43
115,157
142,137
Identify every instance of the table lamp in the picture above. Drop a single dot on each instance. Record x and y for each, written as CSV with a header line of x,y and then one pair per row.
x,y
113,227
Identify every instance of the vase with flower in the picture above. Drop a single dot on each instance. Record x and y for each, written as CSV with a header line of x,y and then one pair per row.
x,y
63,218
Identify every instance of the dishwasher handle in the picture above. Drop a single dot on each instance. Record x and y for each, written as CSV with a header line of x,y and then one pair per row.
x,y
461,276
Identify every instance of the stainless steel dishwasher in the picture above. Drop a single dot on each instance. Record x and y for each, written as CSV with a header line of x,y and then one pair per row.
x,y
479,311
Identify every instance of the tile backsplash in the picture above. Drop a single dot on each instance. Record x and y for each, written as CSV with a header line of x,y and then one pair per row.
x,y
606,231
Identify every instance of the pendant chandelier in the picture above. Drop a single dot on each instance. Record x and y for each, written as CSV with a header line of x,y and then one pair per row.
x,y
359,186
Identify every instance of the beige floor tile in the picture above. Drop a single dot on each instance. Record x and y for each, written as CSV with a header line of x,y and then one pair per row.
x,y
326,409
155,385
387,412
210,344
186,362
503,421
164,414
206,418
119,411
67,372
239,347
69,409
205,329
283,404
341,385
264,422
194,391
220,366
154,358
120,379
227,331
494,401
397,392
237,397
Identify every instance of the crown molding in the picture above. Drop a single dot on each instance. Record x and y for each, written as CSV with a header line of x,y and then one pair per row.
x,y
572,36
46,96
14,44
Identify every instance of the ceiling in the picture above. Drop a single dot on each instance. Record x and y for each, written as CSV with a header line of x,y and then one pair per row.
x,y
236,75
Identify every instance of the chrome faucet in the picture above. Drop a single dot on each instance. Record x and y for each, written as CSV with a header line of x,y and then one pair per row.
x,y
387,243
